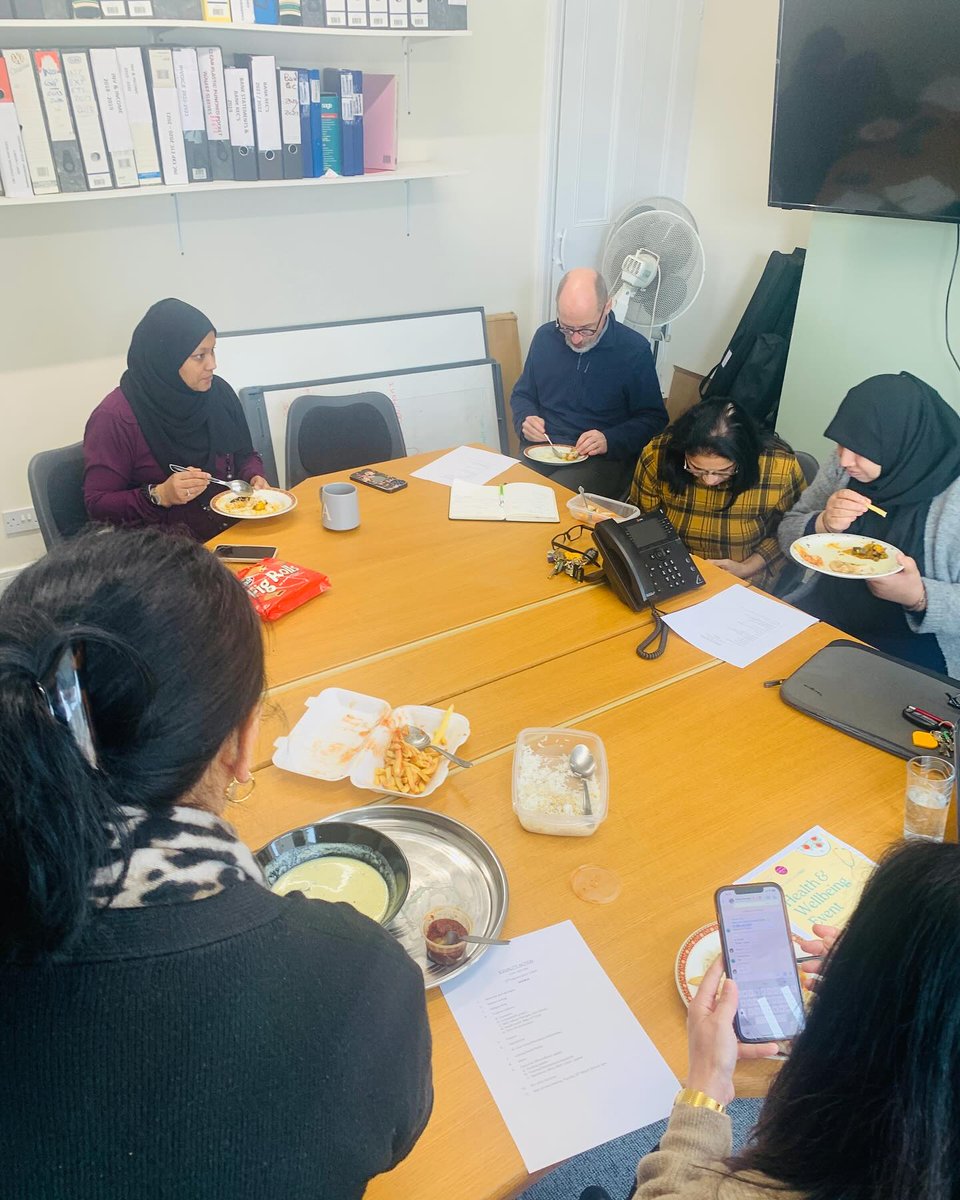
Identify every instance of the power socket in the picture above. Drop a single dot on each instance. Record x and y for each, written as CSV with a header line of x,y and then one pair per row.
x,y
20,520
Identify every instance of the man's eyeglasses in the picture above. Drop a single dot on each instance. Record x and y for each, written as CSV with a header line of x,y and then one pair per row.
x,y
583,330
697,473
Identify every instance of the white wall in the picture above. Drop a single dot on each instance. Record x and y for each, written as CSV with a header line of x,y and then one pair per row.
x,y
727,174
77,277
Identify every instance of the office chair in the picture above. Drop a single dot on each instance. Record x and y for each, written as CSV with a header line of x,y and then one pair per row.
x,y
808,465
56,488
338,433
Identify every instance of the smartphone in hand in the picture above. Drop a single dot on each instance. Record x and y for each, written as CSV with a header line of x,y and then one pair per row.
x,y
758,955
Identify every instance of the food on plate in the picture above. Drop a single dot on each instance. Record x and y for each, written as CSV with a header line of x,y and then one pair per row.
x,y
337,878
597,510
872,551
841,567
440,737
813,559
404,768
443,932
253,504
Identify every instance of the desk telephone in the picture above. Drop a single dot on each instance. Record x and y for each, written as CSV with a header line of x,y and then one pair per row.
x,y
644,559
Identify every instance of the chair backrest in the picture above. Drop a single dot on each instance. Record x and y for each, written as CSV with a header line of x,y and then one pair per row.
x,y
808,465
338,433
56,488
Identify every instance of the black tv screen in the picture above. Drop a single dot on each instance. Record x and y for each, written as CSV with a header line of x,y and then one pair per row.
x,y
867,108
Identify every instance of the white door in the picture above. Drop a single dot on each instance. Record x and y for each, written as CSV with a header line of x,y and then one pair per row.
x,y
625,88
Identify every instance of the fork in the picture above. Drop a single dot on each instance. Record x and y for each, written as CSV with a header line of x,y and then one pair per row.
x,y
240,486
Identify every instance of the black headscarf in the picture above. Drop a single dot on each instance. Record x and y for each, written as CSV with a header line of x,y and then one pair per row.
x,y
180,425
908,429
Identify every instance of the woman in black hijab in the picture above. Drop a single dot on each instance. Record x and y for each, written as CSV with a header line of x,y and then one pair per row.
x,y
898,448
169,408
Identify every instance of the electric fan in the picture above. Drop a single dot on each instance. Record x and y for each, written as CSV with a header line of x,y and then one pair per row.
x,y
652,262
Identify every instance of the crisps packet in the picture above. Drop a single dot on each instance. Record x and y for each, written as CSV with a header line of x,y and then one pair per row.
x,y
277,587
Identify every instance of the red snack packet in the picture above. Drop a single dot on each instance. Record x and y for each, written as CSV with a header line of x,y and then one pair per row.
x,y
277,587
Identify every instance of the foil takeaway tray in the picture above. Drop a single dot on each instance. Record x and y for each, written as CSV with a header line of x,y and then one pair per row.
x,y
449,864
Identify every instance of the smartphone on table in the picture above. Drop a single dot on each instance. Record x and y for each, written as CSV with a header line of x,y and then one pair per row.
x,y
758,955
244,554
377,479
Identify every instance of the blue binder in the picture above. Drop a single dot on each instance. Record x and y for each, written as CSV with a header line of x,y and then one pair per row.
x,y
348,86
306,142
316,124
266,12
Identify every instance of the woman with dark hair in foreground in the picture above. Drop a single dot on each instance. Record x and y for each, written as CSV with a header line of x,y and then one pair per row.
x,y
168,1025
725,485
867,1105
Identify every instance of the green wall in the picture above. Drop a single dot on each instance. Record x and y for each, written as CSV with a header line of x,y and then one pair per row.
x,y
871,302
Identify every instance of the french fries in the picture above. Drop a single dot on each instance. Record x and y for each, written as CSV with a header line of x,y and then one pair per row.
x,y
405,769
440,737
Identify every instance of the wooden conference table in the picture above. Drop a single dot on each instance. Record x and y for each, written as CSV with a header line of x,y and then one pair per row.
x,y
710,772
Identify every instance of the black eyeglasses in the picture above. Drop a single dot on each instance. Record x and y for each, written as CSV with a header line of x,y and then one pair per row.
x,y
697,473
582,330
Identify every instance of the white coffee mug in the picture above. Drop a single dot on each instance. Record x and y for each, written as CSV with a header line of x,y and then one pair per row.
x,y
340,506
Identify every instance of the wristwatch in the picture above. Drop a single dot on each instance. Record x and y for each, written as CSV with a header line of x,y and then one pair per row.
x,y
694,1099
152,494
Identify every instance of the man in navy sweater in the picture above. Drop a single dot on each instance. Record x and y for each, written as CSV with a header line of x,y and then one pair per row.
x,y
590,382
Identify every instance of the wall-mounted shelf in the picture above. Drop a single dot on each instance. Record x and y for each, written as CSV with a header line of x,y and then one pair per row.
x,y
83,33
405,174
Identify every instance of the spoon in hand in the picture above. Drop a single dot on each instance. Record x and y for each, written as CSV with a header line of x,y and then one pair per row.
x,y
419,739
240,486
582,763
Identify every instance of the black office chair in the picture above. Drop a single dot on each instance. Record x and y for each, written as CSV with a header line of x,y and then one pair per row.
x,y
56,488
338,433
808,465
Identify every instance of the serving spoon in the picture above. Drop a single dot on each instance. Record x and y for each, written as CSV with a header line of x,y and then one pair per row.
x,y
452,938
419,739
240,486
583,764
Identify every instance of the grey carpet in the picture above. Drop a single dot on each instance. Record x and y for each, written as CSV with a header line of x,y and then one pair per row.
x,y
612,1165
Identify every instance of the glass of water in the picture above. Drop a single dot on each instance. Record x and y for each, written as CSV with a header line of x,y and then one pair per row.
x,y
930,783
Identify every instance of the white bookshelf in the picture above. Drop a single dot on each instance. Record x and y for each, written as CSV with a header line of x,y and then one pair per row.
x,y
405,174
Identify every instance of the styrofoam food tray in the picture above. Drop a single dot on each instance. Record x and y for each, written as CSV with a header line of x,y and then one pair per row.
x,y
346,733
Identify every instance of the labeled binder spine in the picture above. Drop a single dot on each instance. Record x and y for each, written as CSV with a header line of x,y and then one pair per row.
x,y
166,111
266,112
113,114
379,14
136,97
216,10
290,122
240,120
14,171
23,88
63,136
192,120
306,135
214,93
86,116
348,85
317,144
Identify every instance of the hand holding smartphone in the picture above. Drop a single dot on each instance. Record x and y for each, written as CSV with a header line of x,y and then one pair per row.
x,y
758,955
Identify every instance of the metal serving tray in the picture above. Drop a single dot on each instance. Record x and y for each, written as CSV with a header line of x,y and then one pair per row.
x,y
449,864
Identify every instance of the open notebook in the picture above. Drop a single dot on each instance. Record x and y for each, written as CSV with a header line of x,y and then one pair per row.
x,y
504,502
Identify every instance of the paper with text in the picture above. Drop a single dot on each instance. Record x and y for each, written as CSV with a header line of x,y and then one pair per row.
x,y
738,625
821,876
567,1062
503,502
466,463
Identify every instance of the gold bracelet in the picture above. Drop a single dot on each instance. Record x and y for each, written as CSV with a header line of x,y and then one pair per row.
x,y
694,1099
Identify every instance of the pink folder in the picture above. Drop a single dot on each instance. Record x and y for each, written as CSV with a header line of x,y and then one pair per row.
x,y
379,122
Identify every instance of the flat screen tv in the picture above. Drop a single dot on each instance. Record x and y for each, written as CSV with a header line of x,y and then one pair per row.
x,y
867,108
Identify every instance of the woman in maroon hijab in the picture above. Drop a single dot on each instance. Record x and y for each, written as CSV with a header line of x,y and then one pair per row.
x,y
169,408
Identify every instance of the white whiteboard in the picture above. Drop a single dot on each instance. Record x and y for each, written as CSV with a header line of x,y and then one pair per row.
x,y
255,357
438,407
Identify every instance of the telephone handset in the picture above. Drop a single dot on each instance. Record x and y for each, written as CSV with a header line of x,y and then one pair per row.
x,y
644,559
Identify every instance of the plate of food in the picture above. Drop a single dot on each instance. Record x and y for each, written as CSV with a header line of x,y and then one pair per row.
x,y
697,955
556,455
846,555
348,734
263,503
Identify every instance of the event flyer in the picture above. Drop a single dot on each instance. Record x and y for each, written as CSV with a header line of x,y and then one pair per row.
x,y
821,876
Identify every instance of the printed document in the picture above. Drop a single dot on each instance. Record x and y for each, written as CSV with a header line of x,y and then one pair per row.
x,y
565,1059
738,625
466,463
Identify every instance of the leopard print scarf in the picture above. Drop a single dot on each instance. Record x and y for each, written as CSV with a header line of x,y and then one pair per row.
x,y
177,855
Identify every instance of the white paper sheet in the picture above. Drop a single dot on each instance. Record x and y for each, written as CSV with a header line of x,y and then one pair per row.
x,y
738,625
466,463
565,1059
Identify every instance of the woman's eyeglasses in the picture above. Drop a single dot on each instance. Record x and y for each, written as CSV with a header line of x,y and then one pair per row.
x,y
697,473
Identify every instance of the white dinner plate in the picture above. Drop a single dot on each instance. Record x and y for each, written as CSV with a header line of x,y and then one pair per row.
x,y
696,956
830,554
229,504
548,454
